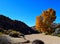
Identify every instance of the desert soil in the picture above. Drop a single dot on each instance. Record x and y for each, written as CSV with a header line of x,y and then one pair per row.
x,y
46,38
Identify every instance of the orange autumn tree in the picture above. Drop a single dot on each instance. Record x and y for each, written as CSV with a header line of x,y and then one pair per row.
x,y
44,21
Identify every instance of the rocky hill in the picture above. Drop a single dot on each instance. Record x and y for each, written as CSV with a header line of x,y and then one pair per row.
x,y
6,23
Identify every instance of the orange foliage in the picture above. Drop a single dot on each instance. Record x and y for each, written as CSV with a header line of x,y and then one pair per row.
x,y
44,21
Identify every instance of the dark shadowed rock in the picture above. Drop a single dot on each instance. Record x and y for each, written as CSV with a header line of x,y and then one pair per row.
x,y
6,23
37,42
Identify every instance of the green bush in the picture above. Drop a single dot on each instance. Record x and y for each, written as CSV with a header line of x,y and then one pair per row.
x,y
1,33
58,35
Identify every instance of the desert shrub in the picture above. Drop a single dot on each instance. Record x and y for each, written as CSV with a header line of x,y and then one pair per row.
x,y
46,33
10,30
14,34
5,31
58,35
1,33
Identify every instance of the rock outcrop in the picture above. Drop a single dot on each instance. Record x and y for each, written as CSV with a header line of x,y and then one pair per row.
x,y
6,23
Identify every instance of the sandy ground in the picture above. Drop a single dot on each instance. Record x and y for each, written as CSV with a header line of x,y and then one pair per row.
x,y
46,38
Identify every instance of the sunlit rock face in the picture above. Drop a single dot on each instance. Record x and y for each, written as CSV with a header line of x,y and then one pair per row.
x,y
44,21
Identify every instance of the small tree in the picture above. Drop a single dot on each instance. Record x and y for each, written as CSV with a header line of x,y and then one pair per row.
x,y
44,22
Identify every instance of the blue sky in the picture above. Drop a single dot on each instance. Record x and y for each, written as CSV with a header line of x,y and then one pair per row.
x,y
27,10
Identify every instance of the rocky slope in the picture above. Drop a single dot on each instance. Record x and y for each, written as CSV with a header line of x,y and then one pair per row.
x,y
6,23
